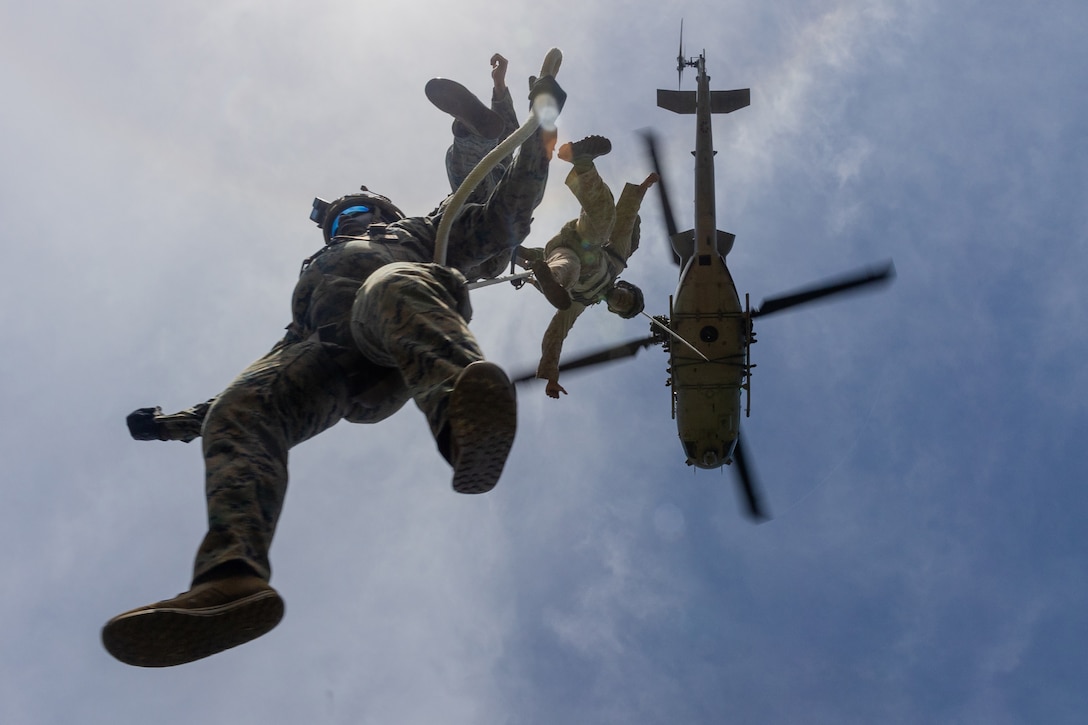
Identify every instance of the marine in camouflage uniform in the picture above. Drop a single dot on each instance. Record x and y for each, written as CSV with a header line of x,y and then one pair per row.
x,y
476,131
374,323
580,266
476,128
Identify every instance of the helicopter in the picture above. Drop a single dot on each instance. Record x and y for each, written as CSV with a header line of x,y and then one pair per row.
x,y
708,332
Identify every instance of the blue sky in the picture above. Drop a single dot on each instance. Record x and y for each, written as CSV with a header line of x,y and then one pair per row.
x,y
920,448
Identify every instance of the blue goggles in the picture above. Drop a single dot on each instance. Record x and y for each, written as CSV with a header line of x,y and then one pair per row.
x,y
347,213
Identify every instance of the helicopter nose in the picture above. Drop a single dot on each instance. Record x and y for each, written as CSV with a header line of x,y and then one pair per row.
x,y
714,457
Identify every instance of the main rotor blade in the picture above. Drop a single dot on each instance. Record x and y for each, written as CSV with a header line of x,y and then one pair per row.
x,y
663,194
752,496
838,285
616,352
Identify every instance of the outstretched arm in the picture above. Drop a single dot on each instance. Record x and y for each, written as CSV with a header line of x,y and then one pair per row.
x,y
498,73
501,102
551,347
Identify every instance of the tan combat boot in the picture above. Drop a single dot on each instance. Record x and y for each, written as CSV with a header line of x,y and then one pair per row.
x,y
209,618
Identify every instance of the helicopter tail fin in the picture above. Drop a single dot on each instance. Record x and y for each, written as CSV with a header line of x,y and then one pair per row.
x,y
725,242
729,101
720,101
684,245
676,101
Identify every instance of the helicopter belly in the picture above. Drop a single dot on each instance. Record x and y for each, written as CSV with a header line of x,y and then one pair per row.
x,y
707,313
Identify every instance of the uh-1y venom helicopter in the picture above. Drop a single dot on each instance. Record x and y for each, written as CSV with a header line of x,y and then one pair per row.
x,y
708,332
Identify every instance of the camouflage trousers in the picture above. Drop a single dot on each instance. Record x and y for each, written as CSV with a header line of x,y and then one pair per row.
x,y
461,158
582,241
410,328
467,150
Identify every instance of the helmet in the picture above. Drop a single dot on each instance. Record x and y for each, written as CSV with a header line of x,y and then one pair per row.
x,y
639,300
328,218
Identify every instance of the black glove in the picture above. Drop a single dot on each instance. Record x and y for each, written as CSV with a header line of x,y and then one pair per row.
x,y
143,426
547,84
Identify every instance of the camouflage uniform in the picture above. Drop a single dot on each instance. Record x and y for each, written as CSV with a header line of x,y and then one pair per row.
x,y
588,254
374,323
468,148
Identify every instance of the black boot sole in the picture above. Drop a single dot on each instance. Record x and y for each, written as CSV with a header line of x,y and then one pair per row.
x,y
453,98
483,421
174,636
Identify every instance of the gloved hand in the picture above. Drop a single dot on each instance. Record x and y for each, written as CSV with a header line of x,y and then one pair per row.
x,y
547,84
528,255
144,426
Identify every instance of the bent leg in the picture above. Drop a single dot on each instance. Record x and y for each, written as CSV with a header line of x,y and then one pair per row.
x,y
565,266
414,317
461,158
290,394
286,397
624,239
494,228
598,214
467,150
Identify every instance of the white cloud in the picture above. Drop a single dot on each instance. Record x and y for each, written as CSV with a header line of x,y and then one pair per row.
x,y
156,167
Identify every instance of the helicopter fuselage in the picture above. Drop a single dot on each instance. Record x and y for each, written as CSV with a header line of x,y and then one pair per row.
x,y
708,334
706,309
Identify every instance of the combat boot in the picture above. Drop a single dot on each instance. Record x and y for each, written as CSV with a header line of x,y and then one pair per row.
x,y
549,285
469,113
584,151
483,418
209,618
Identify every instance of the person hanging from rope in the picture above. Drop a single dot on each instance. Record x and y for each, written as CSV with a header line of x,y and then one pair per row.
x,y
580,266
374,323
476,128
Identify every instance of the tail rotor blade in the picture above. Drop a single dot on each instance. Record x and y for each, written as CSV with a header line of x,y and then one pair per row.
x,y
753,499
666,207
853,280
609,354
680,57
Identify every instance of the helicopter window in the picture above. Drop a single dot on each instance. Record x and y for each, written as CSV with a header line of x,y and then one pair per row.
x,y
708,333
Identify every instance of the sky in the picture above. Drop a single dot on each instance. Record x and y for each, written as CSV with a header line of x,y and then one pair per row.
x,y
919,447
